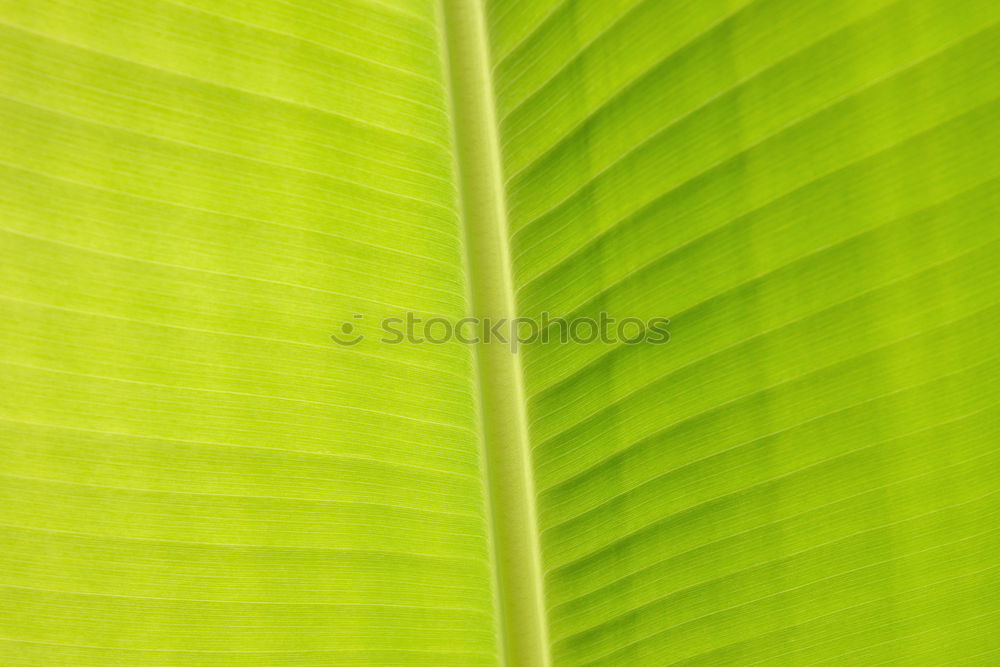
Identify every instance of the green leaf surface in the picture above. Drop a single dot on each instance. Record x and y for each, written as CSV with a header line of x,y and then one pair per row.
x,y
197,194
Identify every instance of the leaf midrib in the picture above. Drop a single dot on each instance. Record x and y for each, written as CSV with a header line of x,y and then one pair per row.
x,y
502,418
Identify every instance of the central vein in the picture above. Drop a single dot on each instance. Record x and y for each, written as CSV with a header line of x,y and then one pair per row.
x,y
502,405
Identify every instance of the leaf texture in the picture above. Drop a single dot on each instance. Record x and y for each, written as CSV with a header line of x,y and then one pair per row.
x,y
807,473
197,194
